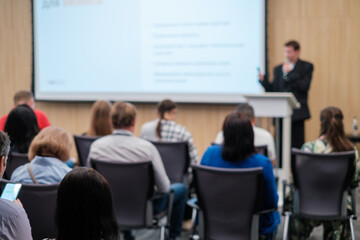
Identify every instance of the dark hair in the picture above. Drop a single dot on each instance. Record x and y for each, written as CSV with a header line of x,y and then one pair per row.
x,y
238,137
164,106
84,207
332,127
22,127
247,110
22,96
293,44
122,114
4,145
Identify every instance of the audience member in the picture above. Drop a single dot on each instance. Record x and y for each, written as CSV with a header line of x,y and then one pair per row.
x,y
14,223
100,119
165,129
123,146
84,208
332,139
22,127
26,97
261,136
238,151
48,154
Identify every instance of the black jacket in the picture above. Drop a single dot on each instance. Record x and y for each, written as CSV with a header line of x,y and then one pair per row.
x,y
297,82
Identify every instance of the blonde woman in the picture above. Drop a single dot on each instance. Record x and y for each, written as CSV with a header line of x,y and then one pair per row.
x,y
48,153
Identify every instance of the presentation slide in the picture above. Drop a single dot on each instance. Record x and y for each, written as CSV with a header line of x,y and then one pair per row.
x,y
147,50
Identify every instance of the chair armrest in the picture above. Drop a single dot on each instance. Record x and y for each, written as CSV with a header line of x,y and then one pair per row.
x,y
285,185
158,195
170,196
193,203
170,206
267,211
353,202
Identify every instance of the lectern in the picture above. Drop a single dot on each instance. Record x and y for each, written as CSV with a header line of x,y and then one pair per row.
x,y
277,105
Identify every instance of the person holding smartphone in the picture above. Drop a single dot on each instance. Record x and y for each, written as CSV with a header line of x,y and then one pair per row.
x,y
14,222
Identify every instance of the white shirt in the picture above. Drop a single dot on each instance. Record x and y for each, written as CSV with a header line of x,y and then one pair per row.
x,y
14,222
123,146
170,132
261,137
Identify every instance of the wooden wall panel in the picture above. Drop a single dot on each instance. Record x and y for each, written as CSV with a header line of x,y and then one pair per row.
x,y
329,34
328,30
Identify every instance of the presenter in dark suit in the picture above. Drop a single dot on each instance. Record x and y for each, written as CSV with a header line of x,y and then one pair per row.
x,y
294,75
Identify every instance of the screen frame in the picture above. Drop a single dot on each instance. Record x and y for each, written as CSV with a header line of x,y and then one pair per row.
x,y
213,98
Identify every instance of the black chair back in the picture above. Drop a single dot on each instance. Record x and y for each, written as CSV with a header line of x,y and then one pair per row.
x,y
175,156
228,199
15,160
39,201
83,144
321,182
132,185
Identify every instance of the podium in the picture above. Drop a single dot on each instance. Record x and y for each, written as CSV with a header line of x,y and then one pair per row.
x,y
277,105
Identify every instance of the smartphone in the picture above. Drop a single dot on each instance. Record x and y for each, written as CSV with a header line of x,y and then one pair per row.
x,y
11,191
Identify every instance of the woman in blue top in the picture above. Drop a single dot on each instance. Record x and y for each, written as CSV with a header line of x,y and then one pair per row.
x,y
238,151
48,153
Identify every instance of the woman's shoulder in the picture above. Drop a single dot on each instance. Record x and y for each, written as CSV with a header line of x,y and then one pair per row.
x,y
148,128
150,123
260,159
19,173
214,148
212,153
317,146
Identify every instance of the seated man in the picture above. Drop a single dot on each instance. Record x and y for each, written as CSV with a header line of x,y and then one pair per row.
x,y
261,136
14,223
123,146
26,97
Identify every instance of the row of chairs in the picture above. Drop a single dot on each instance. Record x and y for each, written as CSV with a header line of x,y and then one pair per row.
x,y
321,185
229,209
174,155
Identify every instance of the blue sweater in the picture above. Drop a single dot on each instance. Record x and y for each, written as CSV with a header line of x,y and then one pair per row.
x,y
268,222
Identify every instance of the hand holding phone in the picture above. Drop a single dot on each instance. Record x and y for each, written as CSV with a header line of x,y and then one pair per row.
x,y
11,191
18,202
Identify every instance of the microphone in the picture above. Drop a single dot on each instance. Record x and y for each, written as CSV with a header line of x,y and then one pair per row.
x,y
287,63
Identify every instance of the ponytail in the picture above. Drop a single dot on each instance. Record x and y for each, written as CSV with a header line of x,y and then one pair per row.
x,y
158,129
165,106
332,127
